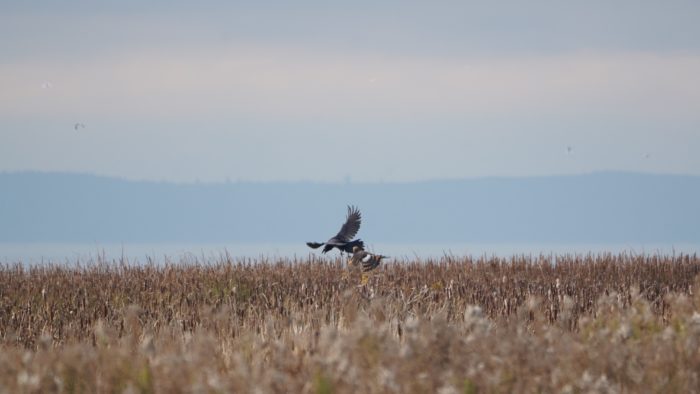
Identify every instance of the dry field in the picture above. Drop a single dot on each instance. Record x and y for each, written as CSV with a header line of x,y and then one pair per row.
x,y
605,323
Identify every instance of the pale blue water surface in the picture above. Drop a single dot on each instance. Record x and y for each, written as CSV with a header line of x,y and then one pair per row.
x,y
85,253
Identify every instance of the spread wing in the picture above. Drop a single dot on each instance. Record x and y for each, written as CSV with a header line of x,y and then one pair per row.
x,y
357,257
371,262
351,226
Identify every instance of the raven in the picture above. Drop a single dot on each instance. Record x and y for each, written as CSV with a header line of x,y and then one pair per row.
x,y
368,260
343,240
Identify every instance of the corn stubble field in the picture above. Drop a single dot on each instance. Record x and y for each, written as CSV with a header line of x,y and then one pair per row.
x,y
603,323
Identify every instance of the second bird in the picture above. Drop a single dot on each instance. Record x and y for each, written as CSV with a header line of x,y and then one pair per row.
x,y
369,261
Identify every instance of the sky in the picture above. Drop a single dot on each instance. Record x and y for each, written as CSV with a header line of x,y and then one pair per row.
x,y
349,91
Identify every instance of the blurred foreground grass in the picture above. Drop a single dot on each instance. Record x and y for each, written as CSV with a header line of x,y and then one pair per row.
x,y
604,323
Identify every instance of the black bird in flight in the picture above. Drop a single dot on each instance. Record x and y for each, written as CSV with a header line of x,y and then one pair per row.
x,y
343,240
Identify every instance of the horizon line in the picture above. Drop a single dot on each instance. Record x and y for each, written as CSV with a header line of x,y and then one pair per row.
x,y
341,182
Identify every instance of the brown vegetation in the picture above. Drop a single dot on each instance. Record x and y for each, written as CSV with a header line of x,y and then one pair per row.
x,y
602,323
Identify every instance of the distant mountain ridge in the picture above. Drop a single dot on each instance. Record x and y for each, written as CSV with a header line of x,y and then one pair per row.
x,y
597,208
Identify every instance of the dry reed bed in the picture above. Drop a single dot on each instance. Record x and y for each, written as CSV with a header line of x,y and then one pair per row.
x,y
606,323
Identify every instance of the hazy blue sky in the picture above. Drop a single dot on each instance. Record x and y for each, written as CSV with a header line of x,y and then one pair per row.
x,y
324,91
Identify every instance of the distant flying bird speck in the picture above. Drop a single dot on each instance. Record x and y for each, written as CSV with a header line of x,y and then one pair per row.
x,y
78,126
569,149
343,240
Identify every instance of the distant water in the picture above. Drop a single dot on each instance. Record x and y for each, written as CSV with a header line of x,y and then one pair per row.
x,y
71,253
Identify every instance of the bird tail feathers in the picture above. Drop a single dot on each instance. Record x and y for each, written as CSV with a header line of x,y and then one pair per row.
x,y
314,245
